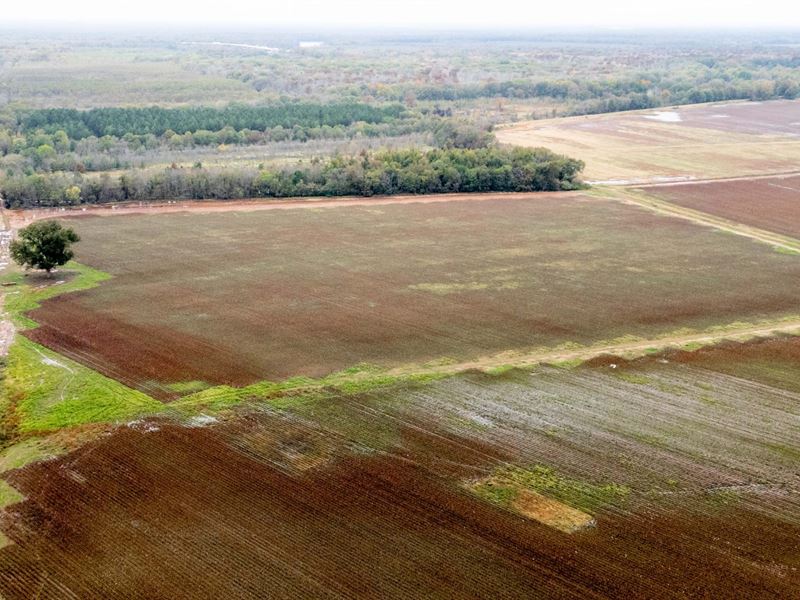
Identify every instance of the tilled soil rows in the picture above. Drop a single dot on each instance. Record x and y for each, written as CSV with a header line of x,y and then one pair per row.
x,y
238,297
772,203
162,511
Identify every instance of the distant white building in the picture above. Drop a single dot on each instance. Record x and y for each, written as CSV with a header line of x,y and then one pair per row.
x,y
310,44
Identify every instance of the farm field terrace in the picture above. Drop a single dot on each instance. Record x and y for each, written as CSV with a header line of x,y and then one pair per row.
x,y
696,141
238,297
771,203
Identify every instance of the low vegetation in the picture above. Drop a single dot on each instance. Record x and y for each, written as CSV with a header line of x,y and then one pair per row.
x,y
506,483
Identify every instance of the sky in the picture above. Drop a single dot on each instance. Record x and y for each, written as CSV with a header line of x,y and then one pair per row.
x,y
450,14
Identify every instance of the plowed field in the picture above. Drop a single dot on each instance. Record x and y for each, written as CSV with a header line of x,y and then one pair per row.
x,y
688,473
241,296
772,203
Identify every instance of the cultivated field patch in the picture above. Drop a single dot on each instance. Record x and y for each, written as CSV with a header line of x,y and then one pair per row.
x,y
646,464
769,203
234,298
686,142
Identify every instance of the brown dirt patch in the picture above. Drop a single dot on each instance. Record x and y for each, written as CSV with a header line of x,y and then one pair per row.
x,y
551,512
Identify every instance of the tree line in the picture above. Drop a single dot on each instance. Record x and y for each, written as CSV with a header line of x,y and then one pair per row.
x,y
644,89
383,173
98,122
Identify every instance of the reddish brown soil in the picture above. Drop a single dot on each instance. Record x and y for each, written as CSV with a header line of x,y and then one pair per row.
x,y
194,513
773,361
233,297
771,204
138,355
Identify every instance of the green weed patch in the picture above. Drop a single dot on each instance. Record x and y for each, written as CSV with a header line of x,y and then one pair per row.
x,y
544,480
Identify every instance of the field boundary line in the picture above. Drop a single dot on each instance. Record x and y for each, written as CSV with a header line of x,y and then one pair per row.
x,y
644,200
637,347
657,184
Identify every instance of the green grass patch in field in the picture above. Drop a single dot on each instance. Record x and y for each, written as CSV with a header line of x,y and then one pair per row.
x,y
26,452
578,494
785,250
49,391
790,452
692,346
8,496
500,370
567,364
501,495
723,498
632,378
669,388
649,439
298,390
31,290
709,400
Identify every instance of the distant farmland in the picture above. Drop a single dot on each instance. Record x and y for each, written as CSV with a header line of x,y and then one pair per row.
x,y
772,203
237,297
697,141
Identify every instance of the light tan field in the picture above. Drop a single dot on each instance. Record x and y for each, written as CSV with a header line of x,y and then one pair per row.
x,y
688,142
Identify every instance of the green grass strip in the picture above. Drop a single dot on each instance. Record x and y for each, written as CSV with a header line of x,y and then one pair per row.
x,y
51,392
24,297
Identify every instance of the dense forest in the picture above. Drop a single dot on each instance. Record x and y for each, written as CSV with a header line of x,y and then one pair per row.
x,y
390,172
154,120
50,148
641,90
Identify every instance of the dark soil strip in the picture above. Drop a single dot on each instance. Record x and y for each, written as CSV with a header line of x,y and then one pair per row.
x,y
191,513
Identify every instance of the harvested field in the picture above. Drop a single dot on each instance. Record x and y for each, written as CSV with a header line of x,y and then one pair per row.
x,y
770,203
686,142
238,297
347,497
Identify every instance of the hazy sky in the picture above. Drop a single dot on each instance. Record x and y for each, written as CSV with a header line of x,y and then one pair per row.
x,y
403,13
